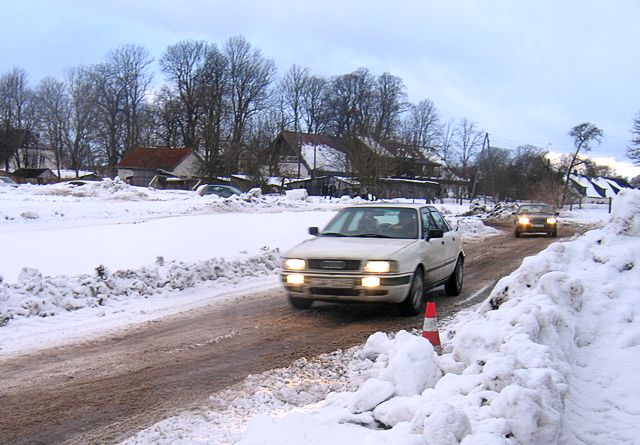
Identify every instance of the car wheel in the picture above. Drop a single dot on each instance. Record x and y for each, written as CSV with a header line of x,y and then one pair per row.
x,y
412,304
453,286
554,234
300,303
517,233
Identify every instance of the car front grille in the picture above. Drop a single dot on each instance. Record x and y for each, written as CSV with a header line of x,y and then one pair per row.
x,y
538,220
334,264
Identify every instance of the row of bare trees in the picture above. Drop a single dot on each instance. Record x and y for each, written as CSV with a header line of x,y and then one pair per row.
x,y
227,102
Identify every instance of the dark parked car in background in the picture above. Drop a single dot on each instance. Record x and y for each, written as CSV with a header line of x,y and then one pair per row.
x,y
224,191
5,180
536,218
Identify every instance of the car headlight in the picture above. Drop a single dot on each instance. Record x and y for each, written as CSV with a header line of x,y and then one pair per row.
x,y
551,220
523,220
379,266
370,281
295,264
295,278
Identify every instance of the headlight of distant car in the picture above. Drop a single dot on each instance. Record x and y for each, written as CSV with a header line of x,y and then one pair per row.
x,y
379,266
551,220
523,220
294,264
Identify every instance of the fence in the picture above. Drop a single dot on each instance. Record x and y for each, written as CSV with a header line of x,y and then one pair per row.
x,y
601,204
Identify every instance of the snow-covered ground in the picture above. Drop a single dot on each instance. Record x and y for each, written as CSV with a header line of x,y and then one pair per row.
x,y
550,357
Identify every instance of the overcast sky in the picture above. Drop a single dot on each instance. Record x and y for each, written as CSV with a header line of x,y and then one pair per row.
x,y
525,72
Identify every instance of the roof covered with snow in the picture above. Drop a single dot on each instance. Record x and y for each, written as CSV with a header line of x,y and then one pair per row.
x,y
591,191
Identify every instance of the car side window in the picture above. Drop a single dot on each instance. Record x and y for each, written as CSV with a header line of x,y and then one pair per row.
x,y
440,223
427,221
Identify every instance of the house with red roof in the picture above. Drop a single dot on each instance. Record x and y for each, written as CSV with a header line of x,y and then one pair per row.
x,y
141,165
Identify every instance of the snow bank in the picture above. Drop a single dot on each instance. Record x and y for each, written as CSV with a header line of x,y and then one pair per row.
x,y
35,295
553,347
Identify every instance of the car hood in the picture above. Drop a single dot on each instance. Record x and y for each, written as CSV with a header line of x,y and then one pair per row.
x,y
348,248
538,215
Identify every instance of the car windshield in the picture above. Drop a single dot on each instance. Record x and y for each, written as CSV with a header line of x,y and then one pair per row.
x,y
374,222
540,208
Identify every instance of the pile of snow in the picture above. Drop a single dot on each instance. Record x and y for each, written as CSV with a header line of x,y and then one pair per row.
x,y
35,295
501,211
473,228
555,345
116,200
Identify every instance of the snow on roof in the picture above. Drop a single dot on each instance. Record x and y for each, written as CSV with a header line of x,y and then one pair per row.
x,y
377,147
610,187
323,157
415,181
583,181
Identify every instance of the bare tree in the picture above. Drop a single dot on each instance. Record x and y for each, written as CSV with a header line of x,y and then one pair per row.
x,y
421,128
467,143
54,115
108,97
314,106
182,64
350,97
215,89
633,150
168,115
131,68
293,87
17,114
390,103
250,76
446,136
583,135
83,117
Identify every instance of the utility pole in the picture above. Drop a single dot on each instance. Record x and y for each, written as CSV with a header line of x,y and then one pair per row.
x,y
491,177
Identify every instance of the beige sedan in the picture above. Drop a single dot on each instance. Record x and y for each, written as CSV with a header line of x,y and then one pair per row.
x,y
383,253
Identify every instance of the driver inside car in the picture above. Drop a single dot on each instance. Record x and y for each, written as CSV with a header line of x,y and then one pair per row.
x,y
406,226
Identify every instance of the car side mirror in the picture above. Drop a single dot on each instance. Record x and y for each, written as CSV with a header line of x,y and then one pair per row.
x,y
313,231
557,213
435,233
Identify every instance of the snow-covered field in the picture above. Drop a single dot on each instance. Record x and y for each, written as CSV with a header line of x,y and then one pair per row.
x,y
551,357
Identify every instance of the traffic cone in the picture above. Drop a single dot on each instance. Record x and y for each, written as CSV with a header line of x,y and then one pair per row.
x,y
430,327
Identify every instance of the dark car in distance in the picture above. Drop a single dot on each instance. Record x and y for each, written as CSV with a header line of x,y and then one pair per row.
x,y
224,191
536,218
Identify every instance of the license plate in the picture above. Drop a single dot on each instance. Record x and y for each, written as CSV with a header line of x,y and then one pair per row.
x,y
333,282
537,226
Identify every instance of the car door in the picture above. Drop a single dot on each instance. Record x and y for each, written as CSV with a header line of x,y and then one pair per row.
x,y
451,242
435,256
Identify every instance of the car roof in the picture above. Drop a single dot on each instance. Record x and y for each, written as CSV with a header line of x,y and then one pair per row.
x,y
534,204
394,205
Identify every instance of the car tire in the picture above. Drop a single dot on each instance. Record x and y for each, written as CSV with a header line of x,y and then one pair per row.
x,y
453,286
554,234
517,233
300,303
412,304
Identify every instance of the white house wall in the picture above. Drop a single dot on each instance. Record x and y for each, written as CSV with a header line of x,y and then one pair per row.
x,y
124,173
188,168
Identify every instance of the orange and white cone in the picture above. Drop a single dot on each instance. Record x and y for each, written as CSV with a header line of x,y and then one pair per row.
x,y
430,327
